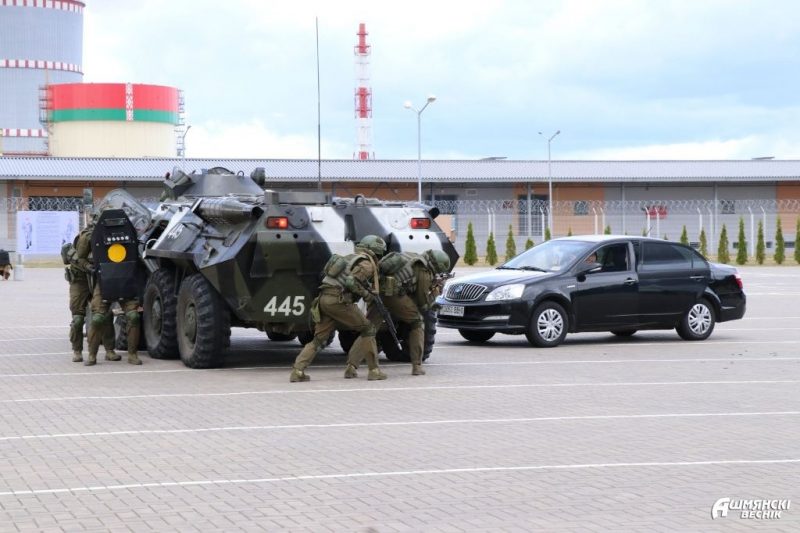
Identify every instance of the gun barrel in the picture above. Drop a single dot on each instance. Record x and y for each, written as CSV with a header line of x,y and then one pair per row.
x,y
227,210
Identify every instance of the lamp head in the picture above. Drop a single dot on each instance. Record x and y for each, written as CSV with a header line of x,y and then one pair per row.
x,y
431,98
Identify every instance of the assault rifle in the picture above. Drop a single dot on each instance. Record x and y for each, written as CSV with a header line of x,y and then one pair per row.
x,y
387,318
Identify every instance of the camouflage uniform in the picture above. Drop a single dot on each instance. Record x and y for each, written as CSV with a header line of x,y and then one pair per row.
x,y
335,308
77,274
102,318
408,289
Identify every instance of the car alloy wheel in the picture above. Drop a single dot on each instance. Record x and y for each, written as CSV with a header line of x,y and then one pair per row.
x,y
548,325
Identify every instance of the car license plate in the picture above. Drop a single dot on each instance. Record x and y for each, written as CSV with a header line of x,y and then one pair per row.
x,y
452,310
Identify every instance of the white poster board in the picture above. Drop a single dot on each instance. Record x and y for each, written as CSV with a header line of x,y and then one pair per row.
x,y
44,232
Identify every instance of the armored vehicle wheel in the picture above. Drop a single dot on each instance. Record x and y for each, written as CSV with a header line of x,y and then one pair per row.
x,y
393,354
204,324
159,319
280,337
121,334
346,340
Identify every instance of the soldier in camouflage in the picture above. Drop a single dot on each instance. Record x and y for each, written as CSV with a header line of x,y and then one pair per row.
x,y
409,286
347,280
102,320
78,257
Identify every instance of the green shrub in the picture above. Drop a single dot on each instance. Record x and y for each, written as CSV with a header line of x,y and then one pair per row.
x,y
760,247
723,256
470,251
780,244
607,231
547,235
491,250
529,244
703,243
741,252
511,245
684,236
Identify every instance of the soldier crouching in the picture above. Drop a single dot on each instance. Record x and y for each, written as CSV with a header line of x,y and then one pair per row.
x,y
335,308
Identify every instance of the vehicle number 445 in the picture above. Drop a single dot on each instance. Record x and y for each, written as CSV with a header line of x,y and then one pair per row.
x,y
291,305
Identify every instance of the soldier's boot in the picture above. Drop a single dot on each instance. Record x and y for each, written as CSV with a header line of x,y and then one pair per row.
x,y
298,375
417,370
111,355
376,374
350,372
91,360
133,359
77,357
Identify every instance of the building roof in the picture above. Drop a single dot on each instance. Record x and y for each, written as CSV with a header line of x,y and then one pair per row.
x,y
400,171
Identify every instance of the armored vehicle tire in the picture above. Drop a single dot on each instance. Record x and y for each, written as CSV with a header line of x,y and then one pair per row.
x,y
280,337
204,324
393,354
121,333
476,335
346,339
158,327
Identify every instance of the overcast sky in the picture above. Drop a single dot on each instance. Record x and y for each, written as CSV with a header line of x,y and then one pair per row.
x,y
621,79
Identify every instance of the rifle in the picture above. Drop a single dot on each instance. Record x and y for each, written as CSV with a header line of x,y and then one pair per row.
x,y
439,281
387,318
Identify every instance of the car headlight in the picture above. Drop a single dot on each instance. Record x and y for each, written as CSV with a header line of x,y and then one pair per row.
x,y
506,292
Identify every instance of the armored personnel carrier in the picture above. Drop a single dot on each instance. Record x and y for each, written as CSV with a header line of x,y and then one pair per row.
x,y
221,251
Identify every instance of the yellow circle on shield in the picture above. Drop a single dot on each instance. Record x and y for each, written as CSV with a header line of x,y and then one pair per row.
x,y
116,253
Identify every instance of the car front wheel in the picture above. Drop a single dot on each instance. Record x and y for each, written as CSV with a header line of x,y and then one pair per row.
x,y
698,322
475,335
548,325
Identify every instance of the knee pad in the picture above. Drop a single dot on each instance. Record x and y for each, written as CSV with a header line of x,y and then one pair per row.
x,y
133,318
368,331
98,319
77,321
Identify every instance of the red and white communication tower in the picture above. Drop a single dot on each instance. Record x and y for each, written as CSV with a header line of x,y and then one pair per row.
x,y
363,97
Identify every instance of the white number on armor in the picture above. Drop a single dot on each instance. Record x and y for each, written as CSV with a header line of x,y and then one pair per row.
x,y
289,306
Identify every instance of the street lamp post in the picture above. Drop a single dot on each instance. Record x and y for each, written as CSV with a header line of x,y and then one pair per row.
x,y
550,182
409,105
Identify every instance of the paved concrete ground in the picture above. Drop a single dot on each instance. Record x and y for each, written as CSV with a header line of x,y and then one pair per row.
x,y
599,434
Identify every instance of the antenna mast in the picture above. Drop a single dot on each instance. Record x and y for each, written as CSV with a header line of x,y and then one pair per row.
x,y
363,97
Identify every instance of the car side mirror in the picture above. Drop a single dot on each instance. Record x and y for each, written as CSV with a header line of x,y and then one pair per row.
x,y
591,268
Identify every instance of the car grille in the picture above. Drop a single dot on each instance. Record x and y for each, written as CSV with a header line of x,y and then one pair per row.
x,y
464,292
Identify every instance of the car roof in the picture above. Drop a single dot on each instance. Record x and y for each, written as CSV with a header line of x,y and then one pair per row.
x,y
608,238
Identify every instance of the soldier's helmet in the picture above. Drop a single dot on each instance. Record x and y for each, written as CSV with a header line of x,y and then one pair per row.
x,y
374,244
438,260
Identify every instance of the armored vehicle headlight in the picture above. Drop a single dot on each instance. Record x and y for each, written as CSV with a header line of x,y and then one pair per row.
x,y
420,223
277,222
506,292
116,253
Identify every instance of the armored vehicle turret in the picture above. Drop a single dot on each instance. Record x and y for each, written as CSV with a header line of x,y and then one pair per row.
x,y
222,252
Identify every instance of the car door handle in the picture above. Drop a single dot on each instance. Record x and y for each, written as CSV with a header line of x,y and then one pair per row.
x,y
697,278
629,281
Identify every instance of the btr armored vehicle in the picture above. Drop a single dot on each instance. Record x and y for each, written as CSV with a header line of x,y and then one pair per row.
x,y
222,252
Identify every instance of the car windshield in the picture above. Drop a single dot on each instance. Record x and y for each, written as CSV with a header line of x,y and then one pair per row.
x,y
550,256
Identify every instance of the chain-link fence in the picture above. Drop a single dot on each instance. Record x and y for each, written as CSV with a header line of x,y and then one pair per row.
x,y
655,218
529,220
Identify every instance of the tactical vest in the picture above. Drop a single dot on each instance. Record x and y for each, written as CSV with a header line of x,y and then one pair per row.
x,y
339,268
399,273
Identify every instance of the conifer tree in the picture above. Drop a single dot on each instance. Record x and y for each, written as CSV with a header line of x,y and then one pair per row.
x,y
529,244
511,245
797,242
703,243
547,235
684,236
607,231
470,251
760,246
741,251
569,232
491,250
780,244
723,256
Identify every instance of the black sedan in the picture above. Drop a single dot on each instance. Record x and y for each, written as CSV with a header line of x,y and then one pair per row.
x,y
610,283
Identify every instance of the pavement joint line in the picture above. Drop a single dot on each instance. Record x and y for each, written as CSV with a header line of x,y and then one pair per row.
x,y
368,475
401,389
391,424
400,365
